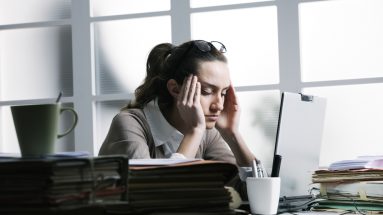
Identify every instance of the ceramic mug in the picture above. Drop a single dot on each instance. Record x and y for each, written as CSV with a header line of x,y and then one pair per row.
x,y
37,127
263,194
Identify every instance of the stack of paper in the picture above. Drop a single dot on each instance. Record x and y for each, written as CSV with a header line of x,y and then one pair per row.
x,y
351,185
58,182
180,187
345,176
366,191
349,206
362,162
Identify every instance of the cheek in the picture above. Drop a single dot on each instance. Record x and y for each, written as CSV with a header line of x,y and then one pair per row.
x,y
205,104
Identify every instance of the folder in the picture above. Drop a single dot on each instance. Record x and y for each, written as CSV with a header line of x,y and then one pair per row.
x,y
196,186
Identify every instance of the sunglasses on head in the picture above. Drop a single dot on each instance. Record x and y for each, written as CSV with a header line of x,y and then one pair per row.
x,y
202,46
205,46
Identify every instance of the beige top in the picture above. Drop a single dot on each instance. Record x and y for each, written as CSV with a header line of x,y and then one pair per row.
x,y
130,135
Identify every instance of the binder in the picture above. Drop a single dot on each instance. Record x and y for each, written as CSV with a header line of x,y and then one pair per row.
x,y
48,183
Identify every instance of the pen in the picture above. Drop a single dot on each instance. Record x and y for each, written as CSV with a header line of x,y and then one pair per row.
x,y
254,168
276,165
263,170
259,169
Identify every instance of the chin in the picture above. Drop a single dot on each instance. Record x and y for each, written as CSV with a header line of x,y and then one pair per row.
x,y
210,125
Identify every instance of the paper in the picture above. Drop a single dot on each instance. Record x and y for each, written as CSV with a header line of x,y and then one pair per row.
x,y
159,161
361,162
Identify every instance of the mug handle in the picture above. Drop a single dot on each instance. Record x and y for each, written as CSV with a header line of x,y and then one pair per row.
x,y
75,119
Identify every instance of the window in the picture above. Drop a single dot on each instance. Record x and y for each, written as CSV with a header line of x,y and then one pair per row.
x,y
94,51
340,60
36,61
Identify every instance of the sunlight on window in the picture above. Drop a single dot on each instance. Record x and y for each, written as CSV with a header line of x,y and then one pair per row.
x,y
260,111
207,3
345,43
8,136
353,119
39,60
122,48
21,11
251,39
117,7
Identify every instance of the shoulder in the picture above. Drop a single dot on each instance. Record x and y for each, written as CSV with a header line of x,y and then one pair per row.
x,y
130,115
130,119
127,135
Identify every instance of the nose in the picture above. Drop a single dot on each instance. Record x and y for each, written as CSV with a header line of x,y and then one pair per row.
x,y
217,103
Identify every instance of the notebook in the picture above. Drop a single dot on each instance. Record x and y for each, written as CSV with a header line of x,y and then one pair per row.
x,y
298,142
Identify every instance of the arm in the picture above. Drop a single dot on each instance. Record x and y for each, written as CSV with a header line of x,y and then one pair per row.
x,y
228,126
193,121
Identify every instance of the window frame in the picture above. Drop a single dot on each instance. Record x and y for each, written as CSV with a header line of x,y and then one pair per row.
x,y
84,97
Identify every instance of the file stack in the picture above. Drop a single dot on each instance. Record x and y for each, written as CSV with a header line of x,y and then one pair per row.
x,y
351,185
181,188
34,184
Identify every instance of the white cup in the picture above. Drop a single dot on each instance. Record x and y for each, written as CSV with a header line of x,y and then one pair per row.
x,y
263,194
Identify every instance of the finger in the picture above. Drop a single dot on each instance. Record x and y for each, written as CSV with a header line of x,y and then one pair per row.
x,y
197,94
231,93
234,97
192,90
230,99
185,89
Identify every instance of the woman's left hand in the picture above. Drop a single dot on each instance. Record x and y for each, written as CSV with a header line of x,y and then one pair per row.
x,y
229,118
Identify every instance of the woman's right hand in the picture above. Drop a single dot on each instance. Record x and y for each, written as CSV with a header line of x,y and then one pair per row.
x,y
189,105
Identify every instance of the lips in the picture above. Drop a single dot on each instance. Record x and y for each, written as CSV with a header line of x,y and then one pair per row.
x,y
211,117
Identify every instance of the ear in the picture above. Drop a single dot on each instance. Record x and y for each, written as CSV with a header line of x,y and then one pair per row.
x,y
173,87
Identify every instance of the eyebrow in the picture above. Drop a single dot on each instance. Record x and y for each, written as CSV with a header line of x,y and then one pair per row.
x,y
205,84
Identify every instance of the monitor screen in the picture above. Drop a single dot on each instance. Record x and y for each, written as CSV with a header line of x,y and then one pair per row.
x,y
298,141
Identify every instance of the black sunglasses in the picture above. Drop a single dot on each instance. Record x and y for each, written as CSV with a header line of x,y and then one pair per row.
x,y
203,46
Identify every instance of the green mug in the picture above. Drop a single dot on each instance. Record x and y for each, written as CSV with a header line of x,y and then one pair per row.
x,y
37,127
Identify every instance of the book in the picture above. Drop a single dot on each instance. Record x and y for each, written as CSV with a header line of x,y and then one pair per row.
x,y
351,185
61,181
362,190
180,187
348,207
344,176
361,162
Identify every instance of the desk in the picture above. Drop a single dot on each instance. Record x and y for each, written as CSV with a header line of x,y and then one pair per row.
x,y
315,213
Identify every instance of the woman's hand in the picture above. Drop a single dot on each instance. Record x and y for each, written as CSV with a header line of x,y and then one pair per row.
x,y
228,126
228,121
191,113
189,105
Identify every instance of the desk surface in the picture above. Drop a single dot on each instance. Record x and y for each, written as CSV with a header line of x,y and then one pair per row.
x,y
315,213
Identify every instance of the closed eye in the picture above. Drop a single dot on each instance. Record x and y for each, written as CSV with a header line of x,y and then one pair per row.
x,y
206,92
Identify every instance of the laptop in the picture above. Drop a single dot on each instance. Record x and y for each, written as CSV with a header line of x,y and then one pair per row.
x,y
298,144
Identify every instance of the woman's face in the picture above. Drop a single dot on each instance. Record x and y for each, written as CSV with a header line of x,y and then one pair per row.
x,y
215,81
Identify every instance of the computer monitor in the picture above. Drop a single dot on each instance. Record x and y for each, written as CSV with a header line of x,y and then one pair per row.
x,y
298,141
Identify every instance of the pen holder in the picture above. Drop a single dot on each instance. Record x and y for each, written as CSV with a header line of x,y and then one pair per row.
x,y
263,194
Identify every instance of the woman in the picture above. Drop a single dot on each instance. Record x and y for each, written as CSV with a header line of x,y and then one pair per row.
x,y
186,108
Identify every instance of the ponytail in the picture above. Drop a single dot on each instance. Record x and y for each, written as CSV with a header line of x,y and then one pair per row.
x,y
154,85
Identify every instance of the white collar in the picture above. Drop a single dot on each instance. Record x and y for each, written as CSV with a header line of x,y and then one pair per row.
x,y
160,128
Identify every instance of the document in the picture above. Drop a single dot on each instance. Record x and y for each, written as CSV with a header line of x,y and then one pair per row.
x,y
180,186
361,162
159,161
